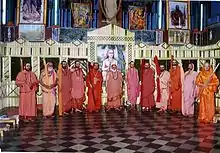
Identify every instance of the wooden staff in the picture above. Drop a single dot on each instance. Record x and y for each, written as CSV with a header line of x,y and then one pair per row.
x,y
21,64
47,77
170,97
209,78
60,92
91,82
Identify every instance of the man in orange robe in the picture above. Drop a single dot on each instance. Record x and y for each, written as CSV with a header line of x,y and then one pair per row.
x,y
207,83
114,88
77,87
64,89
28,83
175,87
94,83
147,88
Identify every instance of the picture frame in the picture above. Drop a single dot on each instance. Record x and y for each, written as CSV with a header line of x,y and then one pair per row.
x,y
178,37
32,33
29,12
81,14
178,14
137,18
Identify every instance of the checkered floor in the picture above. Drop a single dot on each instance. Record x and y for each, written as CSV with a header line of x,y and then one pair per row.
x,y
122,132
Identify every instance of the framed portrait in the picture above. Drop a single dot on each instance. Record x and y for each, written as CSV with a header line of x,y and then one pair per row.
x,y
32,33
82,14
137,18
31,11
178,14
111,12
107,55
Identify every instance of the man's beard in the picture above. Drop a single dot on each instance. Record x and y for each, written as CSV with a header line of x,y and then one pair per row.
x,y
162,70
27,69
64,67
114,70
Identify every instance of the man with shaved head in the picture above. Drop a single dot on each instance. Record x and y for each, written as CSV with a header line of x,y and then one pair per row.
x,y
207,82
148,88
190,91
27,81
164,78
133,87
175,87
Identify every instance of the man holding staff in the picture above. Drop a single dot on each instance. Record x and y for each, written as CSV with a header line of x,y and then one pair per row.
x,y
207,82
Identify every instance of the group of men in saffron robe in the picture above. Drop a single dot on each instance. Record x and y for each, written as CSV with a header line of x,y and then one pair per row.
x,y
177,90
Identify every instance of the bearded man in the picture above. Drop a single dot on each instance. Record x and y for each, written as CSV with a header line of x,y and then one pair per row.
x,y
148,88
27,81
133,87
77,87
48,81
64,86
94,83
164,78
114,88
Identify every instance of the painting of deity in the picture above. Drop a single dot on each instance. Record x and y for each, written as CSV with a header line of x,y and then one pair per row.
x,y
107,55
178,17
137,18
31,11
81,14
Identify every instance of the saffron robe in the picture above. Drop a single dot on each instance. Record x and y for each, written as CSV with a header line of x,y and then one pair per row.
x,y
206,95
133,86
64,89
164,89
94,83
28,83
114,89
190,92
175,89
77,88
48,95
148,88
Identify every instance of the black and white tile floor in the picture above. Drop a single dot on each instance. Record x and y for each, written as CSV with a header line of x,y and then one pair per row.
x,y
122,132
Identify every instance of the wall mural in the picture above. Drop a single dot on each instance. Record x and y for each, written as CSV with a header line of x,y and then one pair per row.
x,y
81,14
137,18
69,35
32,32
145,37
108,55
31,11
